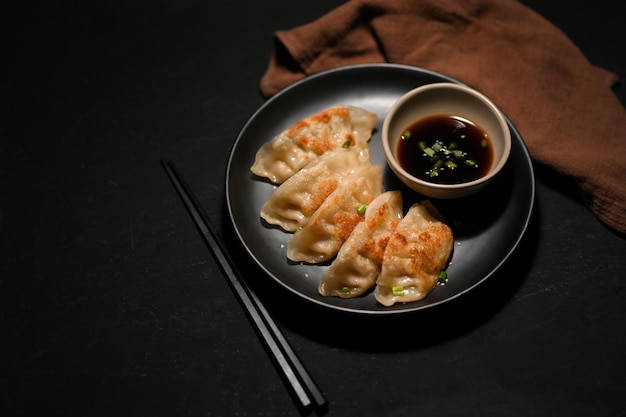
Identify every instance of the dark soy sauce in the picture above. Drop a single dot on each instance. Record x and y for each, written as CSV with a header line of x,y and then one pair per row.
x,y
445,149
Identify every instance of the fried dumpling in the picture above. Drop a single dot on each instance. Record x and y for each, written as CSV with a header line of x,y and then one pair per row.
x,y
292,149
417,252
295,200
358,263
331,224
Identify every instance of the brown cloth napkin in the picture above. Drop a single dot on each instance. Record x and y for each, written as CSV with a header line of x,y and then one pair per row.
x,y
562,105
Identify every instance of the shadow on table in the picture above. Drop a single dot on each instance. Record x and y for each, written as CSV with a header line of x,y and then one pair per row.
x,y
387,333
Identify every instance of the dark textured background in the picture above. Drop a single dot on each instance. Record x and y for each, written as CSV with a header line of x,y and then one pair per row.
x,y
110,303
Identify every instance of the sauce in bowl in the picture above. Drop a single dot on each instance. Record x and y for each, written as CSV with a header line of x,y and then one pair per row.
x,y
445,149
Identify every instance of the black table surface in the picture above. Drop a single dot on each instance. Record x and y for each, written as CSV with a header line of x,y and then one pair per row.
x,y
111,304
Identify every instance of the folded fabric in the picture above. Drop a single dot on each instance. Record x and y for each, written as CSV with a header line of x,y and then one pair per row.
x,y
563,106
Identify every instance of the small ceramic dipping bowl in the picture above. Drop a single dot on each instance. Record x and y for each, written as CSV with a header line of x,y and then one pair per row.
x,y
455,140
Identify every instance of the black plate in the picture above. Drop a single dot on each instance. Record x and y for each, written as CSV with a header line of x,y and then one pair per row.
x,y
487,226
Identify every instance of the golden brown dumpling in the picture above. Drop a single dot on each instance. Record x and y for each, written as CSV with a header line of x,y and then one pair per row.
x,y
331,224
417,252
292,149
358,263
295,201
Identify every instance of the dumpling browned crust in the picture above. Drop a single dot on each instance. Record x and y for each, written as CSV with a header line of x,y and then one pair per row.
x,y
295,201
417,252
331,224
307,139
358,263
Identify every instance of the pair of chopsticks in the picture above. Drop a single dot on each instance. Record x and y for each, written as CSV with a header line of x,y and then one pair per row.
x,y
299,380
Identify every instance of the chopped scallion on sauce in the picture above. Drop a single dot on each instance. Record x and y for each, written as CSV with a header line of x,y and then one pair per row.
x,y
346,145
361,209
445,149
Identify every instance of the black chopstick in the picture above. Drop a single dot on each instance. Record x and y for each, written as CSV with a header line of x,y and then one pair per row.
x,y
301,383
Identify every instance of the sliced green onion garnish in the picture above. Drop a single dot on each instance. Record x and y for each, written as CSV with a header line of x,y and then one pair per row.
x,y
406,134
450,164
483,143
470,162
458,154
438,164
345,290
443,277
429,151
422,145
437,146
346,144
297,229
453,145
361,209
397,290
